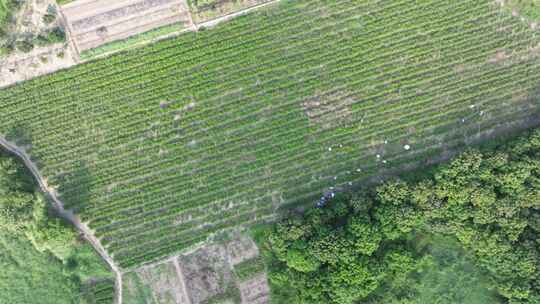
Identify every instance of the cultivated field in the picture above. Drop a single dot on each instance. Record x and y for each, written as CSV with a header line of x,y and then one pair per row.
x,y
205,10
96,22
207,275
160,147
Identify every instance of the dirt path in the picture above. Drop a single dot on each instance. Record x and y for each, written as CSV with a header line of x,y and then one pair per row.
x,y
216,21
67,214
181,278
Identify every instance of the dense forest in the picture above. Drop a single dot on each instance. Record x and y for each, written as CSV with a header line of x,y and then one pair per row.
x,y
465,232
41,258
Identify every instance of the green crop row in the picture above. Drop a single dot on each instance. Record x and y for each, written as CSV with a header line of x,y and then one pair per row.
x,y
160,147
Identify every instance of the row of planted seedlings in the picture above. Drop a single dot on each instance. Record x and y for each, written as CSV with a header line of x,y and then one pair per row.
x,y
200,47
64,158
190,71
138,57
174,245
124,241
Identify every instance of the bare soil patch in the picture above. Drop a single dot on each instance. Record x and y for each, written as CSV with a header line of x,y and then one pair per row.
x,y
40,61
255,290
165,283
241,249
207,272
205,275
208,10
328,112
96,22
500,56
43,59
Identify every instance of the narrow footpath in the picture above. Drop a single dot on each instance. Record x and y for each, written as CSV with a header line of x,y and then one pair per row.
x,y
67,214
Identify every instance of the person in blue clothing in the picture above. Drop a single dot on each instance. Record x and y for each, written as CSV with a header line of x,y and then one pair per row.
x,y
324,199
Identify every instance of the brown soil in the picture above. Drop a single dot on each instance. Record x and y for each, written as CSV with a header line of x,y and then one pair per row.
x,y
206,15
96,22
255,290
241,249
207,272
204,274
328,112
165,283
19,66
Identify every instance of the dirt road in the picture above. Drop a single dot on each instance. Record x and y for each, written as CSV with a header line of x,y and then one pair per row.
x,y
67,214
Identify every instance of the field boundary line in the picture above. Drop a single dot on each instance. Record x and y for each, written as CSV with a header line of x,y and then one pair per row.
x,y
68,215
182,279
218,20
137,45
75,3
70,38
192,27
192,24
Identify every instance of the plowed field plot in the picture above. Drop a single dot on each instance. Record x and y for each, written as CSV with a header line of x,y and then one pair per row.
x,y
95,22
160,147
205,10
204,276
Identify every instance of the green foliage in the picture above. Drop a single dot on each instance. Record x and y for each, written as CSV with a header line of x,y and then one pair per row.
x,y
31,277
135,291
36,247
16,196
131,41
24,46
206,131
12,39
49,18
62,2
466,234
7,8
51,14
248,269
55,35
230,296
528,8
98,292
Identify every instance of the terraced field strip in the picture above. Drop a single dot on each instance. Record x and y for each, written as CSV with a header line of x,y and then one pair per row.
x,y
96,22
213,18
163,146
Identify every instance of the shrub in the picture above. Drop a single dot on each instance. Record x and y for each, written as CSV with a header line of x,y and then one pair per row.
x,y
24,46
49,18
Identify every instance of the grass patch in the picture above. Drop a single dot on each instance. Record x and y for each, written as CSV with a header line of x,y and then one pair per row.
x,y
62,2
230,296
131,41
528,8
135,291
250,268
41,259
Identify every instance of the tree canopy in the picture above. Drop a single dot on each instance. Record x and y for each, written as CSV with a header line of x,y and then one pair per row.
x,y
36,246
467,233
